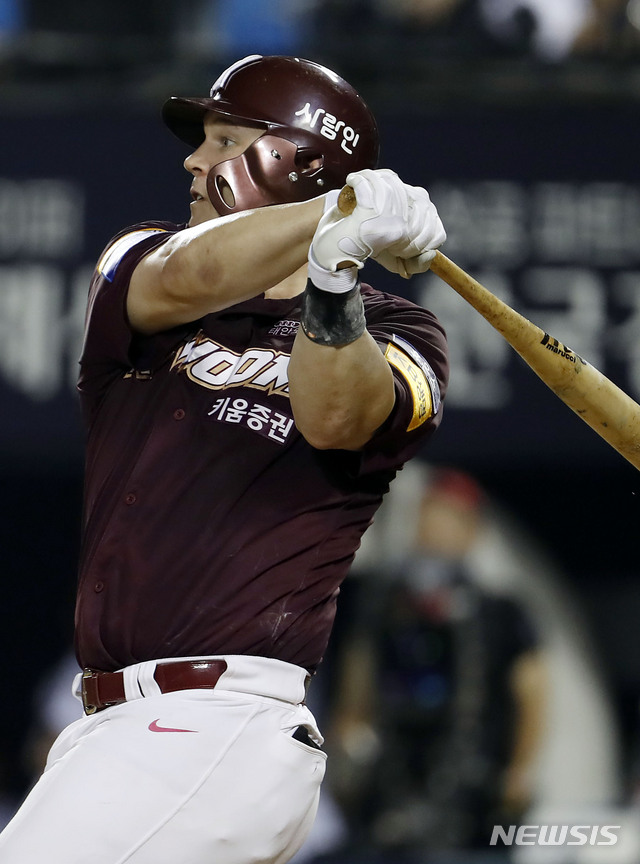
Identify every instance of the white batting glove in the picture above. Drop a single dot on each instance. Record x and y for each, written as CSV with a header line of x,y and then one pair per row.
x,y
377,220
406,267
324,273
419,237
420,230
333,241
391,221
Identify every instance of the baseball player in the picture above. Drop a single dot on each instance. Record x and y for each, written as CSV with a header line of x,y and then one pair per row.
x,y
247,403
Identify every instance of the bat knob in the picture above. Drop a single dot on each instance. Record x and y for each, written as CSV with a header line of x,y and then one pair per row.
x,y
347,200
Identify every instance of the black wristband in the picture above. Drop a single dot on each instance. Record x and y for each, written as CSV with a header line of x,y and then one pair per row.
x,y
332,319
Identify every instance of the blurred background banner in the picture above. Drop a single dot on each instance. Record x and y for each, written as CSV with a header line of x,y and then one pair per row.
x,y
541,204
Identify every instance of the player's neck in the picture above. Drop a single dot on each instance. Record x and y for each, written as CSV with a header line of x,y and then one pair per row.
x,y
289,287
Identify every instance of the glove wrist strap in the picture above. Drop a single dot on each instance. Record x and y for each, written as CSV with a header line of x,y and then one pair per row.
x,y
334,281
332,319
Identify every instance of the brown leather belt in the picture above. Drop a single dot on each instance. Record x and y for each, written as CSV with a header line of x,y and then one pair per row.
x,y
103,689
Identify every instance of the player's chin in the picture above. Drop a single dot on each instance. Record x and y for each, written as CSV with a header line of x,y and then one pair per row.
x,y
202,211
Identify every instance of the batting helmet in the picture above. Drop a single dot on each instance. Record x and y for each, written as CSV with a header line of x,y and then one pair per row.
x,y
317,130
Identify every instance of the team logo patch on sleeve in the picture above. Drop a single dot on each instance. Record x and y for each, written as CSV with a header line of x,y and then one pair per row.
x,y
420,377
109,262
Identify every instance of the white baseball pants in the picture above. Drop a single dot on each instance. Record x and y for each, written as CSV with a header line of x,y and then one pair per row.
x,y
196,776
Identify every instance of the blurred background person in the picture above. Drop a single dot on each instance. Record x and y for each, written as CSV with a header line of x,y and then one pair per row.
x,y
54,708
255,26
578,762
447,683
11,23
8,801
545,28
611,32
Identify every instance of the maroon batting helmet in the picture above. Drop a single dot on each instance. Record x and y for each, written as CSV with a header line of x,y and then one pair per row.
x,y
317,130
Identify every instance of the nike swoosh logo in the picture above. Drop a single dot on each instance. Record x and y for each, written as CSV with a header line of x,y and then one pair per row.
x,y
153,727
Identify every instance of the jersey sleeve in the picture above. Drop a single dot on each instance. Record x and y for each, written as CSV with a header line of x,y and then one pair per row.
x,y
414,344
108,337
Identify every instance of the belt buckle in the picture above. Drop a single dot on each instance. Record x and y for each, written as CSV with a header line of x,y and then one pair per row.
x,y
88,707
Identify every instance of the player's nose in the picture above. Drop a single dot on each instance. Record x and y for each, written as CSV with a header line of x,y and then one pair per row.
x,y
197,163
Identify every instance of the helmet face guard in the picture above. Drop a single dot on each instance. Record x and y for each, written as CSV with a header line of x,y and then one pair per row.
x,y
272,170
317,130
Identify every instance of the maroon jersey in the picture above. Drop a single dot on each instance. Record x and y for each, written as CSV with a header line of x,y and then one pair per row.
x,y
211,526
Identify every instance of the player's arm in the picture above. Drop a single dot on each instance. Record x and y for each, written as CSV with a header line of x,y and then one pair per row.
x,y
219,263
340,385
341,394
529,684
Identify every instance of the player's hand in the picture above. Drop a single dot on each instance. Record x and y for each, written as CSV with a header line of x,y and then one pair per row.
x,y
331,267
335,239
377,221
391,220
405,223
406,267
419,234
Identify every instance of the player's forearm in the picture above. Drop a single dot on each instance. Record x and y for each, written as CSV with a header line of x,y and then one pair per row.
x,y
239,256
339,395
529,685
219,263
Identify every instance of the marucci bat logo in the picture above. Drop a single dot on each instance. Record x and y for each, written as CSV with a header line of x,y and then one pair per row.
x,y
556,347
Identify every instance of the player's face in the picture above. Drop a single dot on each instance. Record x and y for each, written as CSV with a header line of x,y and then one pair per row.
x,y
223,140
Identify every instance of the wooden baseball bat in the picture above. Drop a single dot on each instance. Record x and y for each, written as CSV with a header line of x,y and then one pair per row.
x,y
609,411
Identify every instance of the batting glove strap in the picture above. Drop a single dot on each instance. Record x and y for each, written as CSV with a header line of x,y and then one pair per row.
x,y
333,281
332,319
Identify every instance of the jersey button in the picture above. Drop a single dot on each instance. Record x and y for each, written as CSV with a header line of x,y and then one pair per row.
x,y
178,414
98,587
130,499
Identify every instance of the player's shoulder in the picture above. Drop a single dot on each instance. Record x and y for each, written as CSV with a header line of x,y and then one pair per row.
x,y
385,310
378,302
143,234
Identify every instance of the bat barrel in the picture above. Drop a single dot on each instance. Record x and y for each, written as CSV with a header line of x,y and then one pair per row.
x,y
610,412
